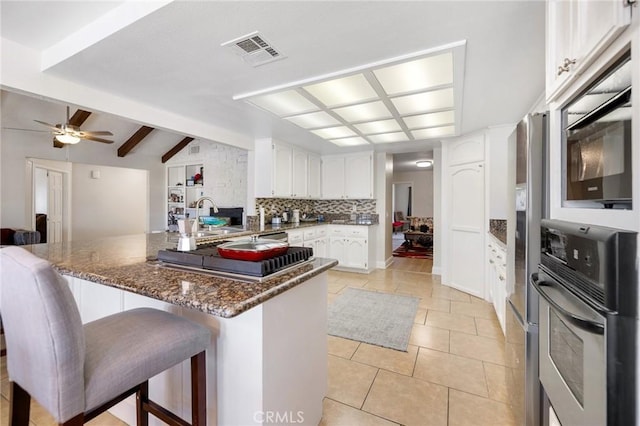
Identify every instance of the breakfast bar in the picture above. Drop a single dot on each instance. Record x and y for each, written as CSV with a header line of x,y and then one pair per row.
x,y
267,358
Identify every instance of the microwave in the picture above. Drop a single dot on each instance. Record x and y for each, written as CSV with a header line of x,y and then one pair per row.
x,y
597,141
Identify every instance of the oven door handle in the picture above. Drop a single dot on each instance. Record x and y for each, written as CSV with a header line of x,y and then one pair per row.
x,y
580,322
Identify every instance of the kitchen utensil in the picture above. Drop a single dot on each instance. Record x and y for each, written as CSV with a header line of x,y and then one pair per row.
x,y
186,242
276,220
295,216
253,249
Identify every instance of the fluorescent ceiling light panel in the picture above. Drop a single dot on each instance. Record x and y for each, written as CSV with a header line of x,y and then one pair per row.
x,y
355,141
389,137
334,132
314,120
364,112
343,91
285,103
384,126
423,102
417,75
434,132
429,120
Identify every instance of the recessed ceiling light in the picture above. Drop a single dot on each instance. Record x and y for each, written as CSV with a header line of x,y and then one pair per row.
x,y
334,132
343,91
434,132
314,120
364,112
355,141
383,126
285,103
424,163
388,137
429,120
417,75
423,102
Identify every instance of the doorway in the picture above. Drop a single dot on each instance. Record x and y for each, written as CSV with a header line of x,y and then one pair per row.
x,y
403,198
48,203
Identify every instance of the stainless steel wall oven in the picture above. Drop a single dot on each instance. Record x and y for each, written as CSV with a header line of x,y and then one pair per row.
x,y
588,288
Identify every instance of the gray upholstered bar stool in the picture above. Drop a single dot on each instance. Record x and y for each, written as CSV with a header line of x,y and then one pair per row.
x,y
77,372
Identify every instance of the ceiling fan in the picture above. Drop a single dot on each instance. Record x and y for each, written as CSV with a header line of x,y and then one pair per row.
x,y
70,132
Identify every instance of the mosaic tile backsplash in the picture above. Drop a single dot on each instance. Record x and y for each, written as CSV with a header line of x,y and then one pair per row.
x,y
498,227
330,209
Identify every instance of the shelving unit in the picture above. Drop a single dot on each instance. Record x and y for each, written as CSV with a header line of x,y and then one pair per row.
x,y
185,184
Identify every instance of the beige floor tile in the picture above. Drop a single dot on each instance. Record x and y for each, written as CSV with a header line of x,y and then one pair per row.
x,y
389,359
4,411
430,337
343,348
418,289
454,322
445,292
470,410
380,285
453,371
497,381
349,381
407,400
477,347
479,310
331,297
106,419
335,286
4,388
432,304
4,375
337,414
489,328
421,316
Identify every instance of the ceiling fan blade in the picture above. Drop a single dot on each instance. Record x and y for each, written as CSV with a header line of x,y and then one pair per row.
x,y
57,143
96,132
51,126
95,139
26,130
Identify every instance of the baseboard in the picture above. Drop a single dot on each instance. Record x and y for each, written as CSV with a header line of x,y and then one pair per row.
x,y
436,270
384,264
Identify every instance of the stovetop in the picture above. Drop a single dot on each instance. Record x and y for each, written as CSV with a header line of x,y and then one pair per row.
x,y
206,259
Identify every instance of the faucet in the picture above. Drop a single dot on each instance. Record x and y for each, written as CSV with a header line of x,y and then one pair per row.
x,y
201,200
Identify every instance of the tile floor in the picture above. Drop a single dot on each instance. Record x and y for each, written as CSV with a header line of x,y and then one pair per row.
x,y
452,374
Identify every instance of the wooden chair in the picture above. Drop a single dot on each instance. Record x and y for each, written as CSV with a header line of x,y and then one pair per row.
x,y
78,371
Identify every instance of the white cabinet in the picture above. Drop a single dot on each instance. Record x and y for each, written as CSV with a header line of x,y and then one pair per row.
x,y
314,185
284,171
352,246
314,237
347,176
497,277
577,32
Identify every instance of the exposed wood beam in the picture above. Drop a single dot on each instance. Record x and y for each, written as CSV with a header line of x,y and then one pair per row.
x,y
176,149
134,140
77,119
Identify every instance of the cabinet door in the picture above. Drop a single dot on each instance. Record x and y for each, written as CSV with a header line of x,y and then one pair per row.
x,y
466,228
282,170
299,180
337,250
320,249
358,176
356,253
562,22
315,174
333,177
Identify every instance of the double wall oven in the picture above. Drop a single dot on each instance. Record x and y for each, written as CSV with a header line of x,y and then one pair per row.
x,y
588,312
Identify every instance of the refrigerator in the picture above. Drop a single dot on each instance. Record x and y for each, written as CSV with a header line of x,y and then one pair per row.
x,y
528,151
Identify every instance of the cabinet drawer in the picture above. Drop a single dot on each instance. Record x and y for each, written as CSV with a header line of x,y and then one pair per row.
x,y
294,237
310,234
358,232
321,232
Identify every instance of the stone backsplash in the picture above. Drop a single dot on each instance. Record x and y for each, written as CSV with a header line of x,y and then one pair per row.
x,y
330,209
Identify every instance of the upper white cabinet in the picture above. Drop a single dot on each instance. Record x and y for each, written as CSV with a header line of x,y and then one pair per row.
x,y
315,176
347,176
284,171
577,32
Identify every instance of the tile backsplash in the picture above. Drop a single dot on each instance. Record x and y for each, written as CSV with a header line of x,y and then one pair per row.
x,y
277,205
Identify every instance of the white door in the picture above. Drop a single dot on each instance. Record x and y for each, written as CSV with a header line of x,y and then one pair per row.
x,y
54,207
337,249
357,253
466,250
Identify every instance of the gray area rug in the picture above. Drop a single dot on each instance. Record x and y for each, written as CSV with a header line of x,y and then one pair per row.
x,y
377,318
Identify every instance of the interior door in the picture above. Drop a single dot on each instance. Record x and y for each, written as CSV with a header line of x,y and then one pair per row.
x,y
54,207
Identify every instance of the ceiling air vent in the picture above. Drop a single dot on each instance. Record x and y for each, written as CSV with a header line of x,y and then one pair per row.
x,y
254,49
195,149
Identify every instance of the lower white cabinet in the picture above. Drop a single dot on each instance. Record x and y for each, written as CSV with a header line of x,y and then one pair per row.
x,y
352,246
314,237
497,277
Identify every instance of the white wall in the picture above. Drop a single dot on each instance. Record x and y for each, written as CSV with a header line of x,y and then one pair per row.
x,y
111,205
18,146
422,192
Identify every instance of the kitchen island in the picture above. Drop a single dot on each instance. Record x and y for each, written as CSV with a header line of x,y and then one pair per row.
x,y
267,359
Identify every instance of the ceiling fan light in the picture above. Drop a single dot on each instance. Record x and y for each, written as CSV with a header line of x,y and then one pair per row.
x,y
424,163
67,138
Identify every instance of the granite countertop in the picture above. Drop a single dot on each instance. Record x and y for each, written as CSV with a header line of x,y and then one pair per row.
x,y
127,263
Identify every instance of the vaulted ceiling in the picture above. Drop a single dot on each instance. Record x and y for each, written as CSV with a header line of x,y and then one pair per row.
x,y
161,64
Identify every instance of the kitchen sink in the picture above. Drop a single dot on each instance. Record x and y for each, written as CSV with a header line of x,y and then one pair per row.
x,y
223,230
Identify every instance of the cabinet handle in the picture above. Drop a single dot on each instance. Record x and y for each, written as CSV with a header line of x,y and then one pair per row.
x,y
566,66
501,278
491,261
